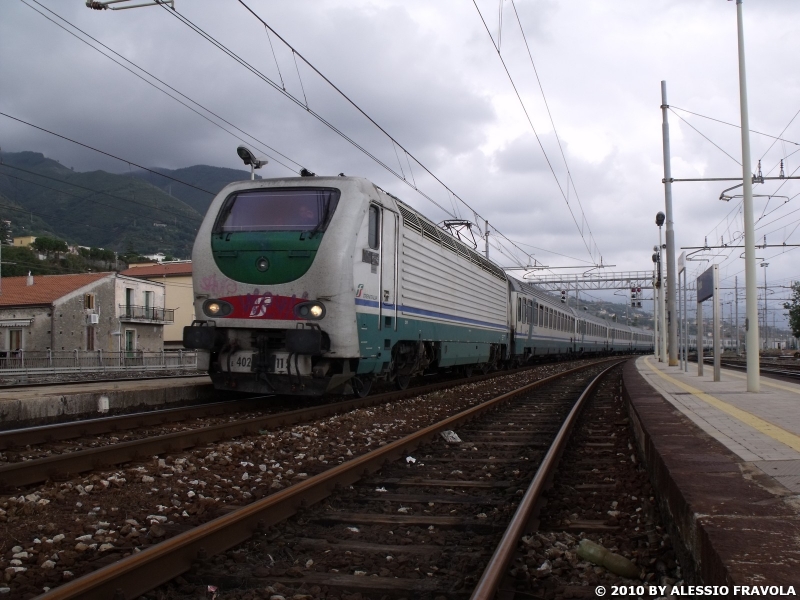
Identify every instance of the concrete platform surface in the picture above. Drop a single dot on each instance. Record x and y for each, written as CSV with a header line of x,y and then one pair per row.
x,y
23,406
726,464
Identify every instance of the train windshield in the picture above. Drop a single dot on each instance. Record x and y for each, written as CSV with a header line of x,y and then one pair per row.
x,y
278,210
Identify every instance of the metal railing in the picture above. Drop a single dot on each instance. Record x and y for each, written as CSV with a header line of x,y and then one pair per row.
x,y
47,361
128,312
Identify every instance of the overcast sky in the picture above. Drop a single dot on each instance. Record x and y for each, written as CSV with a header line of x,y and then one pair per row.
x,y
428,73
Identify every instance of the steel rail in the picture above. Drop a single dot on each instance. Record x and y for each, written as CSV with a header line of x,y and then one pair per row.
x,y
41,434
59,466
769,368
138,573
496,570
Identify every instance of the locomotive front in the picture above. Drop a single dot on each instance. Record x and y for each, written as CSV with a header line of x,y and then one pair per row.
x,y
273,285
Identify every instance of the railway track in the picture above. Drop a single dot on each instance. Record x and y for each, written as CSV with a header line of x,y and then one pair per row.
x,y
467,495
23,470
790,371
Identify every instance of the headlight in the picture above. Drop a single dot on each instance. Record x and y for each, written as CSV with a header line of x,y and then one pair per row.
x,y
217,308
310,310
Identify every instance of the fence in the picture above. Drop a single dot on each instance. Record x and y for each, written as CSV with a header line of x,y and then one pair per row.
x,y
47,361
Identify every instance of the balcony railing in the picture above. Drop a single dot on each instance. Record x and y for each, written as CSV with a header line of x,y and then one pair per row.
x,y
150,314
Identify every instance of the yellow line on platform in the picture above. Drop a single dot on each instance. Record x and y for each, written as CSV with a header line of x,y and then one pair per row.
x,y
757,423
794,390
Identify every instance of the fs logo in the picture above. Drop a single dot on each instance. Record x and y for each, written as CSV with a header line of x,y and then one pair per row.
x,y
260,306
359,290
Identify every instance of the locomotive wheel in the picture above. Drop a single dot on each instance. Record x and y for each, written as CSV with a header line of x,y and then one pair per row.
x,y
402,381
361,385
468,371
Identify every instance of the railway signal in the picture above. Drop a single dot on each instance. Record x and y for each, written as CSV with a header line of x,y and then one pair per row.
x,y
564,296
636,295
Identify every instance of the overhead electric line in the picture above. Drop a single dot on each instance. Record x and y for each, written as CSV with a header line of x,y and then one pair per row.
x,y
130,162
552,122
536,134
128,200
209,111
705,137
303,103
776,138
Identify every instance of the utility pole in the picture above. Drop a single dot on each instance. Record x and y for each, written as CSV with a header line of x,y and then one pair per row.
x,y
662,306
655,308
766,323
671,261
736,297
751,293
486,226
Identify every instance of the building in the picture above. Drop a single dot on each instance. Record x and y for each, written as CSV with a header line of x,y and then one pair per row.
x,y
24,241
87,311
177,279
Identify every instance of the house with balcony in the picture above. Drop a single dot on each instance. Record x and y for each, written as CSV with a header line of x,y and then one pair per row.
x,y
86,312
177,279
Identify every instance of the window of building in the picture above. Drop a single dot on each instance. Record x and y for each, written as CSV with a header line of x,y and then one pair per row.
x,y
130,340
88,301
128,302
15,340
148,305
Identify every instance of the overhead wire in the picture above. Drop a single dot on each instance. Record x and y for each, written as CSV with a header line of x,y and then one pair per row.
x,y
705,137
776,138
127,200
533,128
164,83
304,104
175,14
552,122
63,137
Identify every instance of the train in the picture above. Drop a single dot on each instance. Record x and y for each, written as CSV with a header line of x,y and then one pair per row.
x,y
312,285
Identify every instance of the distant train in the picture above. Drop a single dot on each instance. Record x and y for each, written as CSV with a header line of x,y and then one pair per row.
x,y
327,284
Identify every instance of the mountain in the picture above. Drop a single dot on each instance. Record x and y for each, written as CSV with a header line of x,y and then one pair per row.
x,y
40,196
205,177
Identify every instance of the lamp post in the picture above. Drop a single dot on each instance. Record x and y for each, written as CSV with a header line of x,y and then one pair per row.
x,y
660,218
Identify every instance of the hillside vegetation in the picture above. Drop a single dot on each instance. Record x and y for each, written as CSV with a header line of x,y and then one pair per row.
x,y
123,213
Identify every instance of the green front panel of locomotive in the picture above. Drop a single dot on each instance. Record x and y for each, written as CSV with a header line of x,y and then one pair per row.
x,y
265,258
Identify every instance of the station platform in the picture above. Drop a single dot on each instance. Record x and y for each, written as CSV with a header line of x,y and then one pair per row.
x,y
726,465
41,404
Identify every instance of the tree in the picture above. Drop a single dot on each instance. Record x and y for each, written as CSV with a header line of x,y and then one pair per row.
x,y
48,245
794,309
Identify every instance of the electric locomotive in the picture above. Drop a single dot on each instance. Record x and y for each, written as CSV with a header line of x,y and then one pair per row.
x,y
309,285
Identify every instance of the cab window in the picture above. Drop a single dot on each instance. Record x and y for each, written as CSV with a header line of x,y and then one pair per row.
x,y
374,234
